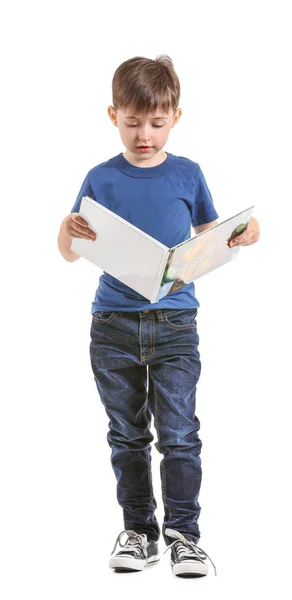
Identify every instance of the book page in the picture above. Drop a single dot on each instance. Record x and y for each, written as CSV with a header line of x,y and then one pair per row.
x,y
201,254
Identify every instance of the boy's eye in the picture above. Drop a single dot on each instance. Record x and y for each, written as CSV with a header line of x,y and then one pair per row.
x,y
136,125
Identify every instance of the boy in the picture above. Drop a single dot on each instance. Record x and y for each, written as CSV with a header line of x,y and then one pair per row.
x,y
131,339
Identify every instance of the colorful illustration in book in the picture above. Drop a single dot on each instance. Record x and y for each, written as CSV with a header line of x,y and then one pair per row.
x,y
187,261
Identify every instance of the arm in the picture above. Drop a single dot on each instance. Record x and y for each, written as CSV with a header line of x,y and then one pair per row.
x,y
73,225
201,228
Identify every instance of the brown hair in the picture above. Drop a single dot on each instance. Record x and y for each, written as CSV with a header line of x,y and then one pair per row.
x,y
146,84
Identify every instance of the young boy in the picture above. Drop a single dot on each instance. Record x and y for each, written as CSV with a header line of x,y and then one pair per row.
x,y
145,357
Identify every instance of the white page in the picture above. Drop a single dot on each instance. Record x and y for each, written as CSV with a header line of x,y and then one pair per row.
x,y
121,249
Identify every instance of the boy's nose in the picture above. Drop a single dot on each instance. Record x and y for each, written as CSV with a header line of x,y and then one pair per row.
x,y
143,139
143,135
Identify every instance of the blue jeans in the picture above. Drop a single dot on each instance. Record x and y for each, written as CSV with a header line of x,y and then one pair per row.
x,y
122,346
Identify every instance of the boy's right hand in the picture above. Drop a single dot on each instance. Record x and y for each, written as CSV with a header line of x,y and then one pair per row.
x,y
74,226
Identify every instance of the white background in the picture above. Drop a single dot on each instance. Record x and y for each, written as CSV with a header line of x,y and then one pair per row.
x,y
59,513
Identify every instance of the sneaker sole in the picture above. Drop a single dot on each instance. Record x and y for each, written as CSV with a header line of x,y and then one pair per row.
x,y
127,563
189,569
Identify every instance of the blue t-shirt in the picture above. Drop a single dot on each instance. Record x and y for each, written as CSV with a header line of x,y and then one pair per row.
x,y
163,201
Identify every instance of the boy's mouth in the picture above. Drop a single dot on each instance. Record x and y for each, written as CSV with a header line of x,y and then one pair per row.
x,y
143,148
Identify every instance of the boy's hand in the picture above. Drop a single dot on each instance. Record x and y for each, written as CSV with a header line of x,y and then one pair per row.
x,y
249,236
74,226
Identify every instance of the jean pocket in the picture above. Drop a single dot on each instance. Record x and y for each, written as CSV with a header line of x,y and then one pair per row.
x,y
181,318
102,316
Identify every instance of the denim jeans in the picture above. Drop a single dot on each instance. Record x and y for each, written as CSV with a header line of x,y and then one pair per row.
x,y
147,363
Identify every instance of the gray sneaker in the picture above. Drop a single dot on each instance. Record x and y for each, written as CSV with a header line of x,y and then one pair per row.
x,y
137,552
187,559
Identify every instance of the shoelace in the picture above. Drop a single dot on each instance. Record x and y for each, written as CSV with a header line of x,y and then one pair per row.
x,y
134,542
185,547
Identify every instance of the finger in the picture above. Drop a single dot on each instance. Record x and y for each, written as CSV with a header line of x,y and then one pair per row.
x,y
242,239
247,242
83,235
77,226
81,225
76,235
84,230
80,220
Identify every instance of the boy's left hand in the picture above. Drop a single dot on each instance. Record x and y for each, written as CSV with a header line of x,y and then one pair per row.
x,y
249,236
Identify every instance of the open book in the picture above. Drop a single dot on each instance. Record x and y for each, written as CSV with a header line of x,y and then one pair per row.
x,y
142,262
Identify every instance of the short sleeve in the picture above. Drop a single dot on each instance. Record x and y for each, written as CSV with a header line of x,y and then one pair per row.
x,y
85,190
203,210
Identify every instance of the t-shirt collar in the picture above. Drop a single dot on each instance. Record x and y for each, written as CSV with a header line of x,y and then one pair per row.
x,y
144,172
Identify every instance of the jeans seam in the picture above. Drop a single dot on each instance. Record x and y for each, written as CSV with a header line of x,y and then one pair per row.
x,y
146,451
149,475
108,320
163,469
178,327
145,357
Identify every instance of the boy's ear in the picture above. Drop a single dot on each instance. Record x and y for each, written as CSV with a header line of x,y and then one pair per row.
x,y
112,115
176,117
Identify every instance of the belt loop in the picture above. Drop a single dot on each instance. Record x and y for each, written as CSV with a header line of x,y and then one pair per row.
x,y
160,316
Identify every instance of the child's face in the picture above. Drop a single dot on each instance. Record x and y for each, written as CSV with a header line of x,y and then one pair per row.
x,y
151,129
